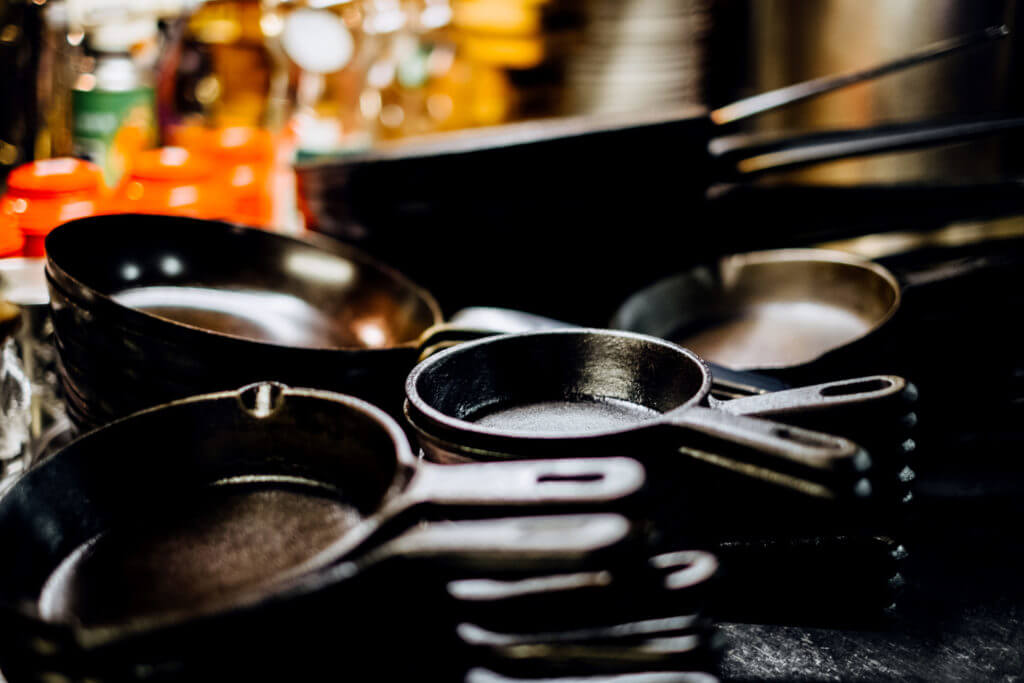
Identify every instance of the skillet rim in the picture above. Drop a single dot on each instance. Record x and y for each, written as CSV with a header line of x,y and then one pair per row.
x,y
432,418
784,255
92,298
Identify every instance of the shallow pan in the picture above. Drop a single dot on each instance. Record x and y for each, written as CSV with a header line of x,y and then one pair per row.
x,y
284,481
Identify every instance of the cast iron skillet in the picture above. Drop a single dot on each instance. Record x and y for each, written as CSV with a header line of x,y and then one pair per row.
x,y
290,481
794,314
171,307
579,392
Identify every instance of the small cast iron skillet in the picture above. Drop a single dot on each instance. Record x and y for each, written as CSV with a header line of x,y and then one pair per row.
x,y
583,392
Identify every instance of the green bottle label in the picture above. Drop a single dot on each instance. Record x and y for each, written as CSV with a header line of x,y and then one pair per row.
x,y
110,127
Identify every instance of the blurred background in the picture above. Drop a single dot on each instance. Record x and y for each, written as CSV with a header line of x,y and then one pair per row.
x,y
299,115
343,76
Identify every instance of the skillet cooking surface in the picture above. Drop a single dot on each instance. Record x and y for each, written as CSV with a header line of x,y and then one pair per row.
x,y
585,414
240,281
770,309
773,333
231,540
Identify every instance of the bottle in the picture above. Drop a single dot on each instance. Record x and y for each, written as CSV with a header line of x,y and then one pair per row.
x,y
226,74
330,46
113,104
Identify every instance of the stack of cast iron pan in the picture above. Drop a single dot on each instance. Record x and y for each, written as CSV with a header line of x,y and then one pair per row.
x,y
171,308
278,533
774,496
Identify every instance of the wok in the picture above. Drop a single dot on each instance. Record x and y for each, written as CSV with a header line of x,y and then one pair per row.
x,y
173,307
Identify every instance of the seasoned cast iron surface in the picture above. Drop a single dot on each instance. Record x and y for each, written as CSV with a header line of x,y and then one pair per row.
x,y
230,540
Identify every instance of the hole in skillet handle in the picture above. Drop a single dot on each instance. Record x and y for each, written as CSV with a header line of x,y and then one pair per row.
x,y
807,439
262,399
582,477
856,387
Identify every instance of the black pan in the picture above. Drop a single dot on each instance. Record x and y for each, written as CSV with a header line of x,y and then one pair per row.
x,y
576,392
172,307
326,476
411,570
791,314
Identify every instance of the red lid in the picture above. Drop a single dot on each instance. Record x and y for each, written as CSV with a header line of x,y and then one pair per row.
x,y
175,164
55,176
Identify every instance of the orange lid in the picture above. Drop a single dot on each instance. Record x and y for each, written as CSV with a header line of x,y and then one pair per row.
x,y
169,180
240,144
11,239
175,164
54,176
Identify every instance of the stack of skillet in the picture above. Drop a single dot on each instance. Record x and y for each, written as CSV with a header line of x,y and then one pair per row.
x,y
276,533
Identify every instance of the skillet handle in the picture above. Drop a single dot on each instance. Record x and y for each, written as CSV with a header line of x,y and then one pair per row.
x,y
827,397
527,482
476,322
552,543
812,463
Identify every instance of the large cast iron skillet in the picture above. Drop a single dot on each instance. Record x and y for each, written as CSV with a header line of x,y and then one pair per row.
x,y
149,309
213,505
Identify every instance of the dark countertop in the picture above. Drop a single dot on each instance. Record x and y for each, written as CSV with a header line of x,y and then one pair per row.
x,y
960,617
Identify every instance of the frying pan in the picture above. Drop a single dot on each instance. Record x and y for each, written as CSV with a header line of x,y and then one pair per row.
x,y
577,392
409,569
339,469
173,307
793,314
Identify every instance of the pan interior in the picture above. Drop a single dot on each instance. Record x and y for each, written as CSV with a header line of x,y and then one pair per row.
x,y
786,312
560,383
231,540
242,282
190,507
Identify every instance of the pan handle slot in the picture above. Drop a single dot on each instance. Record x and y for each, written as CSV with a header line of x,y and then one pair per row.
x,y
527,482
582,477
856,387
808,439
